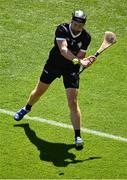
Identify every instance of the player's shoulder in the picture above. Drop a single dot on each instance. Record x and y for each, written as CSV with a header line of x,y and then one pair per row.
x,y
86,34
63,27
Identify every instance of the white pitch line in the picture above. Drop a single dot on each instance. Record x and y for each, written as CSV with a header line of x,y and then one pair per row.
x,y
63,125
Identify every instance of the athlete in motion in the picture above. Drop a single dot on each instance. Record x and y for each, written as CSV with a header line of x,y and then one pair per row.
x,y
65,58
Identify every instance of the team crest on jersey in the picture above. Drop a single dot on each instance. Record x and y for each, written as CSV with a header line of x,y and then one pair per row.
x,y
79,44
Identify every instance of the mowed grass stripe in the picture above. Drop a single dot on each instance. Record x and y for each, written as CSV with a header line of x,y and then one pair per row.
x,y
63,125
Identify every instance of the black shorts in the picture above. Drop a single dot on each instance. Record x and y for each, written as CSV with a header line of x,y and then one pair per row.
x,y
50,73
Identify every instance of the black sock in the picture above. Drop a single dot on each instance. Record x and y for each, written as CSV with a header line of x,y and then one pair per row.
x,y
77,133
28,107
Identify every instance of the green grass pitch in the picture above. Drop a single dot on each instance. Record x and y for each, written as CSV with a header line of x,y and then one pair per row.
x,y
33,150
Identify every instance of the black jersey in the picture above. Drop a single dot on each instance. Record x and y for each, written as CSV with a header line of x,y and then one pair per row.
x,y
75,43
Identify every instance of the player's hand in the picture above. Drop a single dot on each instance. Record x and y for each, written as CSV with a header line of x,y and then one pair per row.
x,y
91,58
85,62
88,61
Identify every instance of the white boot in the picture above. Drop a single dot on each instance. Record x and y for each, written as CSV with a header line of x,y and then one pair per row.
x,y
79,141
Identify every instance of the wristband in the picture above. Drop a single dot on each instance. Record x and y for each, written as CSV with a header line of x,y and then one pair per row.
x,y
75,61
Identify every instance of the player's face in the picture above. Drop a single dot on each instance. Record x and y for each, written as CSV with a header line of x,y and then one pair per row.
x,y
76,27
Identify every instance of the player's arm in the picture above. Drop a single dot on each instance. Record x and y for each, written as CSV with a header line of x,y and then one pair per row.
x,y
81,54
62,44
85,43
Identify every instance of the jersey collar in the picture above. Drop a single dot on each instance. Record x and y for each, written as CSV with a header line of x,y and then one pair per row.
x,y
74,36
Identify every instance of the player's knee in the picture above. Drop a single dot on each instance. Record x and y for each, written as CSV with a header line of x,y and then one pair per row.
x,y
72,103
36,92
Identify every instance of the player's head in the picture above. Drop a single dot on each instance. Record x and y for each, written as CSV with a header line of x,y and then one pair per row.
x,y
78,20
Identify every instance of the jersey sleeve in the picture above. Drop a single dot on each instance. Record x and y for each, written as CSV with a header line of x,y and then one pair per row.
x,y
61,33
85,43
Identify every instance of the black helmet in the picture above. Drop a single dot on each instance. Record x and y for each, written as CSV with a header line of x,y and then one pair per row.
x,y
79,16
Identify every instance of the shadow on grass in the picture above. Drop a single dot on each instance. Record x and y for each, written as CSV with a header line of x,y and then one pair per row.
x,y
57,153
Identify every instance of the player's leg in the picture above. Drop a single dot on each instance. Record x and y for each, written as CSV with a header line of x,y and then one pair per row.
x,y
74,107
75,113
71,85
47,77
35,95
